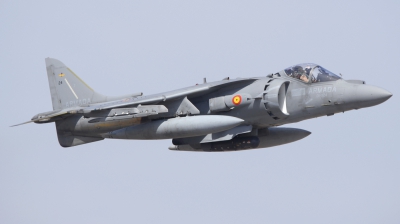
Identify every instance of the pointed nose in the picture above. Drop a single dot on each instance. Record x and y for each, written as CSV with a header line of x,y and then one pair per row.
x,y
371,95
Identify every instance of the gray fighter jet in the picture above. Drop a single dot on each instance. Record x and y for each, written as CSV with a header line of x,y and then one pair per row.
x,y
227,115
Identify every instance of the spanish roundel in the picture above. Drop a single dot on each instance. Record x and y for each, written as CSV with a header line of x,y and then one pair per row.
x,y
237,99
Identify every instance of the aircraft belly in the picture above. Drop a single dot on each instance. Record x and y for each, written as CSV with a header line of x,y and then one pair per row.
x,y
266,138
79,125
180,127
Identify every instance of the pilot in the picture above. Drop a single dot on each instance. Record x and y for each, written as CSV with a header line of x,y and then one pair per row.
x,y
298,71
304,78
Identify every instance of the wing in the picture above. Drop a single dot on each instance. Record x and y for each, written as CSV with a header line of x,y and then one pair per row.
x,y
172,95
133,106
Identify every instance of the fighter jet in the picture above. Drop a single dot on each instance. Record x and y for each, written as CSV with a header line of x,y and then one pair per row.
x,y
226,115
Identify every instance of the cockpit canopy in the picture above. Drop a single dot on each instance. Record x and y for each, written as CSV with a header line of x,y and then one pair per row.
x,y
311,73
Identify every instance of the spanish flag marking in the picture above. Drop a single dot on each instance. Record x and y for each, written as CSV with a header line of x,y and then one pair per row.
x,y
237,100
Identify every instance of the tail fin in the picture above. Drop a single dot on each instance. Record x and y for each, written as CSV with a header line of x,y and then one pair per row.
x,y
67,89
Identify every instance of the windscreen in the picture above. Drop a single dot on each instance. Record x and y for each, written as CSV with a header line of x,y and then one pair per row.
x,y
319,74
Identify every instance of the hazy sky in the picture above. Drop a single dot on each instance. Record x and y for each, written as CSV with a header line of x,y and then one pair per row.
x,y
346,171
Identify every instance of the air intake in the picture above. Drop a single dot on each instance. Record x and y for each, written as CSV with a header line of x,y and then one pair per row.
x,y
274,98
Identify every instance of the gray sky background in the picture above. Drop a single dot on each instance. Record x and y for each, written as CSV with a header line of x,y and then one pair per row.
x,y
347,171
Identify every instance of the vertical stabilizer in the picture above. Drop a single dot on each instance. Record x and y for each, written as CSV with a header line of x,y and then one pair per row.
x,y
67,89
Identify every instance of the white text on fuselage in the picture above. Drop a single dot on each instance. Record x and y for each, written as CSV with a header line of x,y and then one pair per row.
x,y
321,91
79,102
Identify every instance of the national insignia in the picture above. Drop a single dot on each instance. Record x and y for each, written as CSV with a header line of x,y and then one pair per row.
x,y
237,100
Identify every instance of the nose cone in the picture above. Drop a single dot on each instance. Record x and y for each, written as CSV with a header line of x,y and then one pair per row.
x,y
368,96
